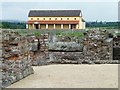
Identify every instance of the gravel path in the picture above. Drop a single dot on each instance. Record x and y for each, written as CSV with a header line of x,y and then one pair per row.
x,y
71,76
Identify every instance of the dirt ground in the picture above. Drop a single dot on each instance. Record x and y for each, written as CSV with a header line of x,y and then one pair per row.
x,y
71,76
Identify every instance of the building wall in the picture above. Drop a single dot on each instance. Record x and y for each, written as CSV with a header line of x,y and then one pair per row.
x,y
84,25
77,26
30,26
53,18
51,26
80,25
58,26
66,26
43,26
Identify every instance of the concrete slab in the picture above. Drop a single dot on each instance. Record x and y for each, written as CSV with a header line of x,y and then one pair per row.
x,y
71,76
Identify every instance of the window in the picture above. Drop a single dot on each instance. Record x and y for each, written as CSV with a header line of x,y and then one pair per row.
x,y
31,18
74,18
67,18
43,18
61,18
55,18
37,18
49,18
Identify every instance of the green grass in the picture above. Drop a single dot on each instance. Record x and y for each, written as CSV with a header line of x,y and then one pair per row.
x,y
37,33
77,33
74,34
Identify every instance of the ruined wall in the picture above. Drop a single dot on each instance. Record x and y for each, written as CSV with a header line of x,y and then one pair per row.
x,y
1,59
66,57
16,62
39,54
65,49
18,52
96,47
116,48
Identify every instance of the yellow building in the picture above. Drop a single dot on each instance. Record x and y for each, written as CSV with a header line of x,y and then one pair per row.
x,y
55,19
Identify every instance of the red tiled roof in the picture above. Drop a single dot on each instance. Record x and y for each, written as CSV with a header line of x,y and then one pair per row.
x,y
54,22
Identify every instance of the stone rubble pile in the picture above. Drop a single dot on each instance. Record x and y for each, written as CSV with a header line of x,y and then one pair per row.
x,y
98,47
16,62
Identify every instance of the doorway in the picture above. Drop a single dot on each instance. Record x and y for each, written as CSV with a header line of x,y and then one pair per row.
x,y
116,53
73,26
36,26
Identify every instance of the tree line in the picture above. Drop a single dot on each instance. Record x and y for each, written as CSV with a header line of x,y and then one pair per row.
x,y
12,25
108,25
22,25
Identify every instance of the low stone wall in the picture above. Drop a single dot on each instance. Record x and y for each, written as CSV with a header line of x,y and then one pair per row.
x,y
66,46
40,58
66,57
15,57
14,71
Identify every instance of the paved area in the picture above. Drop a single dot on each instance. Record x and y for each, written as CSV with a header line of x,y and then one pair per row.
x,y
71,76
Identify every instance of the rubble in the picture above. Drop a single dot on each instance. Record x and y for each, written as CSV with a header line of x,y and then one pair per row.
x,y
97,45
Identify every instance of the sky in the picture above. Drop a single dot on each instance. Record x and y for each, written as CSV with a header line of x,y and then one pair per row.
x,y
91,11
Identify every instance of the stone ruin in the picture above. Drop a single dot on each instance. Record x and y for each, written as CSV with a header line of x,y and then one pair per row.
x,y
98,47
0,59
65,50
39,50
116,48
15,57
18,53
95,48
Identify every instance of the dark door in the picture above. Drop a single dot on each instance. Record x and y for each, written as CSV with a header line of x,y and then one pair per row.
x,y
116,53
36,26
116,49
73,26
